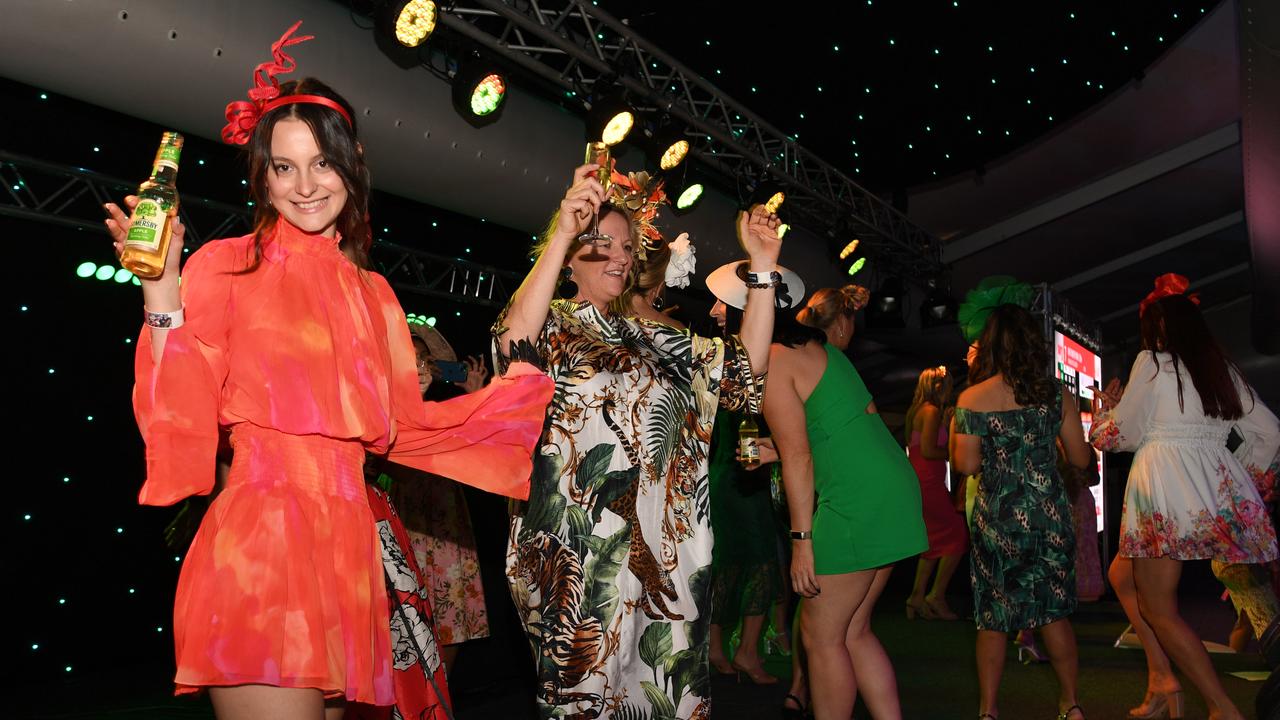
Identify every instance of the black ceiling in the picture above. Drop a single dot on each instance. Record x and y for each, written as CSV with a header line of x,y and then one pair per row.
x,y
896,94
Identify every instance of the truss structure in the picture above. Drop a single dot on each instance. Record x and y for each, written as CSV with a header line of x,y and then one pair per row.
x,y
1056,312
574,46
72,197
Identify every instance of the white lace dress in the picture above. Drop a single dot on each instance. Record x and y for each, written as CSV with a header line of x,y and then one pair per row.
x,y
1188,496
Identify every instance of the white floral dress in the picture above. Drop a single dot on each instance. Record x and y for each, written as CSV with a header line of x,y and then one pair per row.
x,y
609,561
1188,496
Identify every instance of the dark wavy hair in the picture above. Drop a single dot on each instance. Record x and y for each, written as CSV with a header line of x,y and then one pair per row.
x,y
1173,324
341,149
1012,345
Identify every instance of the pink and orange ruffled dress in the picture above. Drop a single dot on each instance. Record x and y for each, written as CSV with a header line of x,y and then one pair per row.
x,y
307,360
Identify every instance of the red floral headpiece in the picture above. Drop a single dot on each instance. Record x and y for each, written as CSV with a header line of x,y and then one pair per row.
x,y
640,194
242,116
1166,285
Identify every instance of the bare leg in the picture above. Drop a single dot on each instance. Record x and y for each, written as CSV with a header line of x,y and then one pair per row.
x,y
781,627
924,569
716,653
824,625
1060,641
747,657
799,681
946,570
990,650
1157,582
1160,677
252,702
871,664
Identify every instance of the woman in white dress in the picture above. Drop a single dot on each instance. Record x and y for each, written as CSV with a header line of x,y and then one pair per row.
x,y
1188,497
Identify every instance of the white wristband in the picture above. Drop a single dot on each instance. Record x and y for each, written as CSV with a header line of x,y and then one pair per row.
x,y
163,321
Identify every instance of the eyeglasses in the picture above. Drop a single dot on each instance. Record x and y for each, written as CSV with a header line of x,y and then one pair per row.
x,y
424,362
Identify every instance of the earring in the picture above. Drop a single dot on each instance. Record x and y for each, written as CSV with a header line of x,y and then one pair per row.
x,y
658,302
568,288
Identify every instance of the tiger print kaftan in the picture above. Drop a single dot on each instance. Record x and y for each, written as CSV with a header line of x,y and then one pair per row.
x,y
609,560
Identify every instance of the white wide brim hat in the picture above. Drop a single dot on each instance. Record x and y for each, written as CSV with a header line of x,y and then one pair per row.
x,y
727,283
439,347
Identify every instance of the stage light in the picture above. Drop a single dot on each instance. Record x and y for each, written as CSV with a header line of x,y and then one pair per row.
x,y
479,92
410,22
770,194
857,265
670,147
609,117
848,249
885,310
939,307
488,94
690,196
783,229
86,269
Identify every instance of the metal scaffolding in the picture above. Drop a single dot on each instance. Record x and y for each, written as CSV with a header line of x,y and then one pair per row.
x,y
72,197
574,45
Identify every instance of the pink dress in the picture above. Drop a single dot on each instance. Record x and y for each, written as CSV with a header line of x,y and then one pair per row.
x,y
947,532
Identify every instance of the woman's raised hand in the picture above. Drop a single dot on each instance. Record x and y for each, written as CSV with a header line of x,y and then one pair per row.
x,y
758,235
477,373
581,201
118,226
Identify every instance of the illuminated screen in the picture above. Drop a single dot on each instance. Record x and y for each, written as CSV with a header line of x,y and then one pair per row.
x,y
1080,369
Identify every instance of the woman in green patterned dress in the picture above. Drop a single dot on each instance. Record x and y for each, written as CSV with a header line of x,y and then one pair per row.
x,y
609,560
1022,560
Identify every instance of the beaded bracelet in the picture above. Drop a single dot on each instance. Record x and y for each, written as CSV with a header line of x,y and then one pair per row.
x,y
760,281
163,320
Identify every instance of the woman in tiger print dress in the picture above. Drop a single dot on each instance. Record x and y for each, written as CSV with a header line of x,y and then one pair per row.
x,y
609,560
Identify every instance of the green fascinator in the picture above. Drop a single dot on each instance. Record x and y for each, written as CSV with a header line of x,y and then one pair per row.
x,y
991,293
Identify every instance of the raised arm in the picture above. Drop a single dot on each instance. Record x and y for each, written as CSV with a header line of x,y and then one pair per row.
x,y
758,234
528,310
784,411
1121,427
159,295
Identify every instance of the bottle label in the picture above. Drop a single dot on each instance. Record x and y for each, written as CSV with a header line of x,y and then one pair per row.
x,y
748,449
148,223
168,156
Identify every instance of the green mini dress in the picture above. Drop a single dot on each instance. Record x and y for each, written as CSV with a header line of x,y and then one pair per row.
x,y
868,510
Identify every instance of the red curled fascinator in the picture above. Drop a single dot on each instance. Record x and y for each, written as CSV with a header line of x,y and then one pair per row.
x,y
1166,285
242,116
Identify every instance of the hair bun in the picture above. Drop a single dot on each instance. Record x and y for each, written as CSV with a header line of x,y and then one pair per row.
x,y
854,297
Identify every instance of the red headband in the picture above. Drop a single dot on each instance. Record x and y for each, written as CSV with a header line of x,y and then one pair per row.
x,y
242,117
1166,285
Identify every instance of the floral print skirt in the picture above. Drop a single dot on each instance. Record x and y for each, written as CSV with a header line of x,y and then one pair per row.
x,y
1193,501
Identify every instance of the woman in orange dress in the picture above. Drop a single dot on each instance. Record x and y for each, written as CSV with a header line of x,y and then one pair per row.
x,y
287,339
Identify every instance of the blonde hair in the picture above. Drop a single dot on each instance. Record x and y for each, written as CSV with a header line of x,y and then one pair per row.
x,y
934,388
826,304
646,275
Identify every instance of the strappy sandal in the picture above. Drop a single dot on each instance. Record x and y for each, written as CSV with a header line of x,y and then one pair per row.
x,y
799,712
1066,714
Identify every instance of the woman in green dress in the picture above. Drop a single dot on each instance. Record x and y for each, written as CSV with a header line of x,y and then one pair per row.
x,y
868,515
1022,558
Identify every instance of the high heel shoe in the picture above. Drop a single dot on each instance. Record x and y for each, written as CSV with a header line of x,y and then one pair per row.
x,y
723,667
1066,714
939,609
799,712
756,675
1028,653
1159,705
773,643
922,609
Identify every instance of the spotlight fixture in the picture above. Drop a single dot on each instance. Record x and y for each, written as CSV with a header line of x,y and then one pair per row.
x,y
885,310
685,190
770,194
848,249
410,22
857,265
479,92
783,229
670,147
609,117
939,307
